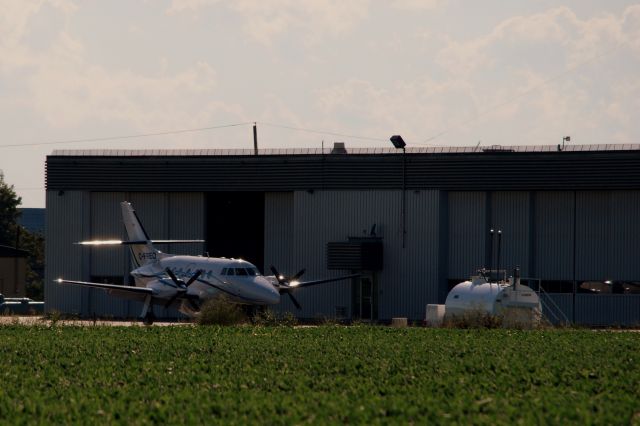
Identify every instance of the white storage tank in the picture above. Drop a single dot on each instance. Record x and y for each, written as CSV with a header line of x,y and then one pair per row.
x,y
516,303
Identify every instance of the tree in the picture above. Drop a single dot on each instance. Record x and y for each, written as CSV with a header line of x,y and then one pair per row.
x,y
9,202
11,234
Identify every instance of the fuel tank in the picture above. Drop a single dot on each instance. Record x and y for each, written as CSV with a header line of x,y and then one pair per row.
x,y
512,300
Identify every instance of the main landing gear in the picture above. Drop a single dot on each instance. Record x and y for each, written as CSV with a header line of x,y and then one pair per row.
x,y
147,317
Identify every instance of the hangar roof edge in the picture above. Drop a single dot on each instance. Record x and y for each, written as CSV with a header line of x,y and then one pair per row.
x,y
352,151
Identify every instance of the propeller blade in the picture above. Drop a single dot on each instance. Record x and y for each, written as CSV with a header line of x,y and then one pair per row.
x,y
274,270
295,302
173,277
298,275
279,277
194,277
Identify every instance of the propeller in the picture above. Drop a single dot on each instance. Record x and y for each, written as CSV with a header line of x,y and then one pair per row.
x,y
180,283
285,284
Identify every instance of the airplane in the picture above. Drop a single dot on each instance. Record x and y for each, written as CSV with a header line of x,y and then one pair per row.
x,y
186,282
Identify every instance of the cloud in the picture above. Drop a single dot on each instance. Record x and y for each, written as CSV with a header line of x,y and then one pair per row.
x,y
179,6
265,21
418,4
68,91
61,85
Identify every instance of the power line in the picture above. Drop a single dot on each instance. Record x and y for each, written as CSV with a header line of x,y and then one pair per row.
x,y
139,135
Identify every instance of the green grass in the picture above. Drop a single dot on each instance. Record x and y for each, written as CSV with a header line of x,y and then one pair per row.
x,y
329,374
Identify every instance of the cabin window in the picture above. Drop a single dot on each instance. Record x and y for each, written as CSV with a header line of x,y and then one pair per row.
x,y
241,271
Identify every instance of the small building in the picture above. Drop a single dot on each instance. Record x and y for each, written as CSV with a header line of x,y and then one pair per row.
x,y
13,271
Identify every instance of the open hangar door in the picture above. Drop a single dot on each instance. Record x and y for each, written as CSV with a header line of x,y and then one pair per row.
x,y
235,225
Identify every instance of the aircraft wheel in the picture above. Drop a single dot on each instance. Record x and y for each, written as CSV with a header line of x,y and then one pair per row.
x,y
148,319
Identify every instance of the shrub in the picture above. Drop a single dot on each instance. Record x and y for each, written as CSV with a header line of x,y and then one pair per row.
x,y
220,311
473,319
267,317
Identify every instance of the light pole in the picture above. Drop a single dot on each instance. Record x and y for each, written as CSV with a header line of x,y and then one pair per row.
x,y
564,139
399,143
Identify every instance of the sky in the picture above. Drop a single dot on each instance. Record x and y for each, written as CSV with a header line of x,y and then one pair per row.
x,y
313,72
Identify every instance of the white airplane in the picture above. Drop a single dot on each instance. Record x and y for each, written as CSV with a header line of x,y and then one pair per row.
x,y
188,281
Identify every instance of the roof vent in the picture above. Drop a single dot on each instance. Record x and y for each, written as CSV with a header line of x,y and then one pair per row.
x,y
338,148
498,148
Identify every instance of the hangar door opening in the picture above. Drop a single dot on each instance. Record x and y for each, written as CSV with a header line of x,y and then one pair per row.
x,y
235,225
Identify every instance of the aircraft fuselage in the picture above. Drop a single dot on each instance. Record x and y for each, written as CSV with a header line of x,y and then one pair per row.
x,y
239,280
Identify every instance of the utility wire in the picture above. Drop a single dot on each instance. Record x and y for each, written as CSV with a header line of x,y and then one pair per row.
x,y
140,135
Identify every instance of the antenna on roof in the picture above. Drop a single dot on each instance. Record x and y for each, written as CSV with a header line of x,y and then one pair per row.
x,y
255,138
564,139
490,252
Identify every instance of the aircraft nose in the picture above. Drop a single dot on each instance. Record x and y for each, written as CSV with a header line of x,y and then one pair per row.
x,y
272,296
269,293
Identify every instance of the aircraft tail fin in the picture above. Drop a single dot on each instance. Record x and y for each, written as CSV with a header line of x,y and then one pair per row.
x,y
142,250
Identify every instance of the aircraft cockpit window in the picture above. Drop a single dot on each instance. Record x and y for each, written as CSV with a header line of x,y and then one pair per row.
x,y
230,271
241,271
251,272
224,271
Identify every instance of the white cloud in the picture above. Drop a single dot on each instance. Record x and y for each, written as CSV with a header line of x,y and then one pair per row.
x,y
68,91
418,4
265,21
179,6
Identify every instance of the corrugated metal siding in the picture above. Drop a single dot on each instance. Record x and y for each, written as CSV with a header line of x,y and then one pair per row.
x,y
106,223
279,240
505,172
421,257
510,213
67,214
553,236
608,309
186,222
409,279
467,233
624,260
592,235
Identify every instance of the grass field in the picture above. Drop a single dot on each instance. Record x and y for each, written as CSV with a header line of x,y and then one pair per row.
x,y
328,374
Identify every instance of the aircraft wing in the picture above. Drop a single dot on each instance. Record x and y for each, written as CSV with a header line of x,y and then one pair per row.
x,y
302,284
123,291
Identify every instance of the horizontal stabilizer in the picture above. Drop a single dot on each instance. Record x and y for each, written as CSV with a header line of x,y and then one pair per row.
x,y
129,243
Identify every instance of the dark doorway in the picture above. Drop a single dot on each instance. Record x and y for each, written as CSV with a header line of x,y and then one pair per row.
x,y
364,292
235,225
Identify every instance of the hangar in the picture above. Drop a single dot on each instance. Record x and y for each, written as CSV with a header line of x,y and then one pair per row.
x,y
414,223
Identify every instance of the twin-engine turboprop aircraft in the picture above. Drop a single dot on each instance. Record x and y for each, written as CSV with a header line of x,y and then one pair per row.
x,y
188,281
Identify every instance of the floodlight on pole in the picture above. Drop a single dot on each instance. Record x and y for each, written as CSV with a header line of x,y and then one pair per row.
x,y
564,139
399,143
